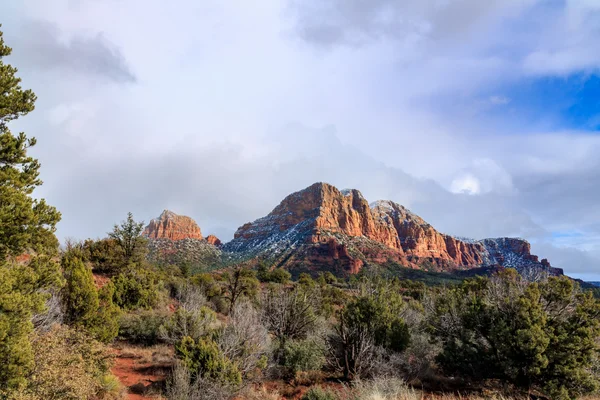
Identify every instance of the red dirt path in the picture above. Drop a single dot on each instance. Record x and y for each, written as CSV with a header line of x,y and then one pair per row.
x,y
138,374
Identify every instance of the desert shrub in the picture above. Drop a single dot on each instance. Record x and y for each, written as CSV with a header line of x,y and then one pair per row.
x,y
105,255
23,293
383,389
318,393
79,295
245,340
327,278
331,299
142,326
261,393
280,275
204,360
289,313
541,334
277,275
207,284
138,288
85,306
416,361
104,323
370,321
191,323
239,283
110,388
183,386
304,355
306,280
70,364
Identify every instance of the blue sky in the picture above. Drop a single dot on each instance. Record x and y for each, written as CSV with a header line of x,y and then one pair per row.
x,y
481,116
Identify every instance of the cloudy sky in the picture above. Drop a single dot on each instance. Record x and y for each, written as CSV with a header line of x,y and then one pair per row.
x,y
481,116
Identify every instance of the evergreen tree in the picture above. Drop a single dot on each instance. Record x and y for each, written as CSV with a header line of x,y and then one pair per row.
x,y
104,324
80,295
25,224
539,335
128,237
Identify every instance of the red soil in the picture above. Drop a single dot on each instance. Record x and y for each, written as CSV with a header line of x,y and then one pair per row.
x,y
138,373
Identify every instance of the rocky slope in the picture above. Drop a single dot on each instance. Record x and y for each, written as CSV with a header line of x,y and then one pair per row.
x,y
322,227
177,239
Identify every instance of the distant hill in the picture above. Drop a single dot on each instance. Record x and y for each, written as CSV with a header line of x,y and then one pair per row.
x,y
321,228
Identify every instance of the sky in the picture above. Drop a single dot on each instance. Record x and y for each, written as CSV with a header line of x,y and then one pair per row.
x,y
483,117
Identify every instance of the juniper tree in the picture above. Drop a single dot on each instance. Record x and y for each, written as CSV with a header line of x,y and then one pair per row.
x,y
26,224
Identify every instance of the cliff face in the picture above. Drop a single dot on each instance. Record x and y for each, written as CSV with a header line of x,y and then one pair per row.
x,y
172,226
177,239
322,226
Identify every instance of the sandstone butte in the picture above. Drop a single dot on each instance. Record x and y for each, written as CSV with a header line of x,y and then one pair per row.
x,y
172,226
334,224
212,239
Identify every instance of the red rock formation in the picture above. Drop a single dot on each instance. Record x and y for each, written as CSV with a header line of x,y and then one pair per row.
x,y
172,226
325,227
419,239
212,239
327,211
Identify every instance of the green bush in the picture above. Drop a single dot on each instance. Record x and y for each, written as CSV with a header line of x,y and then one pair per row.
x,y
280,275
138,288
104,254
79,295
540,335
192,323
84,305
318,393
304,355
204,359
104,324
277,275
142,326
206,282
305,280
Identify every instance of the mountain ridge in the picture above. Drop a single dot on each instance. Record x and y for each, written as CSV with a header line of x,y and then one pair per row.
x,y
324,228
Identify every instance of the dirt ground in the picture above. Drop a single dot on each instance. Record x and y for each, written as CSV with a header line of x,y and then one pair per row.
x,y
143,371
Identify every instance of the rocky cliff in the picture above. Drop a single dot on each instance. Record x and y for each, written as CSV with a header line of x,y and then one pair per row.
x,y
323,227
172,226
177,239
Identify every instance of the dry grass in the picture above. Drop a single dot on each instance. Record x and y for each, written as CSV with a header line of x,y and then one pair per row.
x,y
396,389
158,354
261,393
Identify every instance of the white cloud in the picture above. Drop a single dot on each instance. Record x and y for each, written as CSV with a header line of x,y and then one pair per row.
x,y
499,100
144,105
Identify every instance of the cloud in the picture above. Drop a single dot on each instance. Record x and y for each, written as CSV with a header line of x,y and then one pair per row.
x,y
484,175
499,100
44,46
417,102
355,22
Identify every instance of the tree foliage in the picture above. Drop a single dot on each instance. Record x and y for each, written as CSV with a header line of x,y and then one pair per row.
x,y
542,334
238,283
204,359
128,237
25,224
84,305
137,288
68,365
366,322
